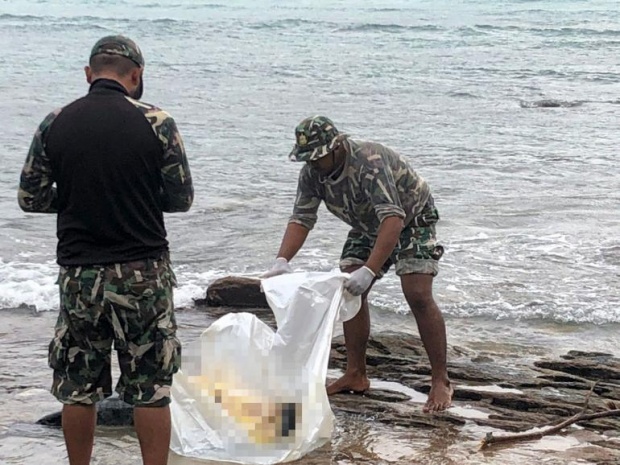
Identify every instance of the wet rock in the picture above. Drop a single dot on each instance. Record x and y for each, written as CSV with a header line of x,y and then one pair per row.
x,y
235,291
114,412
546,393
551,103
53,420
110,412
590,367
388,408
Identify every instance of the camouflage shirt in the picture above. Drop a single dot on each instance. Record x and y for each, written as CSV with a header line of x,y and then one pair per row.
x,y
375,183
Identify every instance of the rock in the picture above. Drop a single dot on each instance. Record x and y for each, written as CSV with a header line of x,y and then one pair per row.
x,y
551,103
110,412
53,420
114,412
548,392
591,367
235,291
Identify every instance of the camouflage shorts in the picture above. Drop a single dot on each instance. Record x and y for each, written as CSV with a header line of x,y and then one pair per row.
x,y
130,305
417,250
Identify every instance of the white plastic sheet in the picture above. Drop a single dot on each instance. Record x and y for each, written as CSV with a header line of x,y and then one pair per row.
x,y
247,394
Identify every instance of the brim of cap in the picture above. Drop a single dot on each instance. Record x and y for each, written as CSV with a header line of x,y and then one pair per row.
x,y
312,155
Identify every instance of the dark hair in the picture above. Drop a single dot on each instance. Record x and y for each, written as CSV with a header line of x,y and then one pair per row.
x,y
121,65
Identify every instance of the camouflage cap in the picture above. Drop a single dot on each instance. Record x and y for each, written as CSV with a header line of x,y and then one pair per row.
x,y
315,137
118,45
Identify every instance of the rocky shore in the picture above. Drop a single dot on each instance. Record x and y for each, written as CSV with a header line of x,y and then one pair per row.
x,y
502,395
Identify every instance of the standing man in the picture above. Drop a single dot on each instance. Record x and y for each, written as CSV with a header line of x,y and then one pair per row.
x,y
392,215
117,165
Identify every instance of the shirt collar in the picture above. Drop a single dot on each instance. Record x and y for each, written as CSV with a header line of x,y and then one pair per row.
x,y
107,84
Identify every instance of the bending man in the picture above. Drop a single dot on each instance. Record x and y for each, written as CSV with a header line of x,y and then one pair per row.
x,y
392,215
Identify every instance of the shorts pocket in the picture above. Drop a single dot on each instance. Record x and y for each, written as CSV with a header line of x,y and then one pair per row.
x,y
57,353
168,353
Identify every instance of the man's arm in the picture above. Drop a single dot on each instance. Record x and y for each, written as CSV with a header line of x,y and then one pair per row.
x,y
387,238
294,238
37,193
303,218
177,192
380,187
300,223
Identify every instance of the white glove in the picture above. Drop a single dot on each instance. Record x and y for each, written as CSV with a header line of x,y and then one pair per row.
x,y
360,281
281,266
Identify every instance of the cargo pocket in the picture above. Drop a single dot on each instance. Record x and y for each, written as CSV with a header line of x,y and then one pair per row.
x,y
57,351
168,354
168,277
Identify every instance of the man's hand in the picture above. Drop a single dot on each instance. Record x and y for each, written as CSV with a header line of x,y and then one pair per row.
x,y
360,281
281,266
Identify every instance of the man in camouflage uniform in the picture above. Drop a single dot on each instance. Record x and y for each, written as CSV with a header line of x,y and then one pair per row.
x,y
109,166
392,215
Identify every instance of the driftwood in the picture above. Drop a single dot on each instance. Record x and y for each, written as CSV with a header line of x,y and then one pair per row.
x,y
490,439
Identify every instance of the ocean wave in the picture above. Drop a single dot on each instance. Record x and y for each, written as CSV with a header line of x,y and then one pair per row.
x,y
46,20
7,16
563,31
601,313
395,28
33,285
28,284
462,94
385,10
182,6
289,23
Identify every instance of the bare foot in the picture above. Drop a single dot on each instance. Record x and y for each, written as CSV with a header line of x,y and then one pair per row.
x,y
349,382
440,397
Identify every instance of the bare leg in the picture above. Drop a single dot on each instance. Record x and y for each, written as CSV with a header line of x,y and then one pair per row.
x,y
418,290
356,333
153,428
78,427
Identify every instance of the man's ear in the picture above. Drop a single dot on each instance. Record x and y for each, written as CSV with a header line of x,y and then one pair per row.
x,y
136,76
89,74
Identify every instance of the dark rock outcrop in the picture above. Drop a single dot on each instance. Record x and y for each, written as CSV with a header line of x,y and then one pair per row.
x,y
235,291
514,398
110,412
551,103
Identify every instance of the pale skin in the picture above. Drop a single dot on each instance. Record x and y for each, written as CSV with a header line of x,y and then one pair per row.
x,y
417,289
152,424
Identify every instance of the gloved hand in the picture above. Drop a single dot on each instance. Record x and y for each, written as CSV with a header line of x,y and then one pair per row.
x,y
360,281
281,266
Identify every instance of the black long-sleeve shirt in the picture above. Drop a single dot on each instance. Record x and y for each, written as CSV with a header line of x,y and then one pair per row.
x,y
117,165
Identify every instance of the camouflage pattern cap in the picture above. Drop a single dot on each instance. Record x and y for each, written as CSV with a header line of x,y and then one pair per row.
x,y
118,45
315,137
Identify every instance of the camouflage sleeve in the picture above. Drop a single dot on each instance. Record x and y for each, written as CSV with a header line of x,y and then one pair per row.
x,y
306,203
177,192
379,186
37,193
